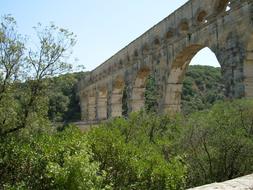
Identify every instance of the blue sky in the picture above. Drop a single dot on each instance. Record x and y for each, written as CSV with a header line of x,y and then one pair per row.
x,y
102,27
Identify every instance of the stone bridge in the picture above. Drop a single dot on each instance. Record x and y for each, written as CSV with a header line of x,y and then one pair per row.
x,y
165,51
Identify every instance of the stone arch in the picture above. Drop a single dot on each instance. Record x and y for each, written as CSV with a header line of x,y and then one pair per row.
x,y
102,103
201,16
175,79
116,97
138,90
184,26
136,54
169,34
221,5
91,105
145,49
156,42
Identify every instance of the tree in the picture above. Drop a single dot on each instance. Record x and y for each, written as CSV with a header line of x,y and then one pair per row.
x,y
44,60
12,51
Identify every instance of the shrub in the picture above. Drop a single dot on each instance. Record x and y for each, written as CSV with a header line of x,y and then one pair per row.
x,y
219,142
133,158
56,161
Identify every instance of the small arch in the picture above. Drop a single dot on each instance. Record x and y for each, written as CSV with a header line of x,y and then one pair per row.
x,y
156,42
169,34
136,54
145,48
118,83
184,26
201,16
222,5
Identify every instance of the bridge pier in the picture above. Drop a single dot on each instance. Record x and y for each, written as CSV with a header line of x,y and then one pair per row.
x,y
116,103
92,108
102,104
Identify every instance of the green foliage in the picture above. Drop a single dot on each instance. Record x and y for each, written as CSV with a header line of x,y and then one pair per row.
x,y
219,143
63,99
135,153
56,161
24,71
202,87
151,95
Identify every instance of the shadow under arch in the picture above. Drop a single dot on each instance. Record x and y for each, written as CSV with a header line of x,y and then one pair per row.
x,y
137,101
174,86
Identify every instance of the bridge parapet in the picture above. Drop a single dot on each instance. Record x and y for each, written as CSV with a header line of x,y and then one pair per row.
x,y
242,183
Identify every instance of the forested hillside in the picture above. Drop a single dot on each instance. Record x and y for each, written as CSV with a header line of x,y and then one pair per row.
x,y
201,88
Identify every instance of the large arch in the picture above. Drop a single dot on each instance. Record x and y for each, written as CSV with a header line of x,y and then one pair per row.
x,y
102,103
116,97
176,76
137,101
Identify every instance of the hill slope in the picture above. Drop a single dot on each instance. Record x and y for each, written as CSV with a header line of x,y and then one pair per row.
x,y
202,87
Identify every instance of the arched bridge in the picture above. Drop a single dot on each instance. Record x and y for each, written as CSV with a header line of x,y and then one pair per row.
x,y
165,51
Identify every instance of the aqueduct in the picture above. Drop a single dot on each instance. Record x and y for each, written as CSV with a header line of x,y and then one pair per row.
x,y
226,27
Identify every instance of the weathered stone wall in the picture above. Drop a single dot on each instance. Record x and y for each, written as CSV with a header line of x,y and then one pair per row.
x,y
166,50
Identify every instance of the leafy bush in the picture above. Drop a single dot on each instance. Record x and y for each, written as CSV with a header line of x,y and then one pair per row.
x,y
218,143
132,154
58,161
